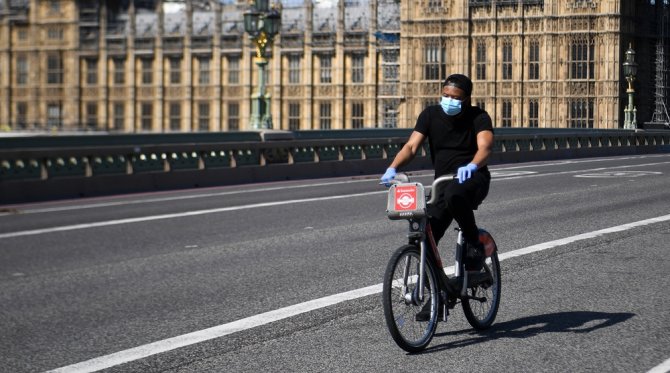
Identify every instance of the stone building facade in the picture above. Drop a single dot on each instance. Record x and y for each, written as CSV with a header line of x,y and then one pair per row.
x,y
178,66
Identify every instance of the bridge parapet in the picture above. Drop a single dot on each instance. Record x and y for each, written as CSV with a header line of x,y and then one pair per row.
x,y
37,168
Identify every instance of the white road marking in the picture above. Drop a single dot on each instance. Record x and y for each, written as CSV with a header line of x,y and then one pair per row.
x,y
503,173
577,161
176,215
140,352
619,174
600,169
172,198
663,368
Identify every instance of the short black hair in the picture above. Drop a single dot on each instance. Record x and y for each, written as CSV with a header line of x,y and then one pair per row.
x,y
459,81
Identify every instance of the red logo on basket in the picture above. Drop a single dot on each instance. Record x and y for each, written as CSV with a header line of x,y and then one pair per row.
x,y
405,198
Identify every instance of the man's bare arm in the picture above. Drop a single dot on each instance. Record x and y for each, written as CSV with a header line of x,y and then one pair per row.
x,y
409,150
484,148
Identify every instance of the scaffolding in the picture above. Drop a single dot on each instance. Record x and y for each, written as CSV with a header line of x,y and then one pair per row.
x,y
388,46
660,118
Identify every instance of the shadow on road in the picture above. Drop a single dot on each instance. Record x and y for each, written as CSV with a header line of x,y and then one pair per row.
x,y
561,322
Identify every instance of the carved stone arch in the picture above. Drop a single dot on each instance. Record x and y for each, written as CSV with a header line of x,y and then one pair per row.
x,y
507,39
581,38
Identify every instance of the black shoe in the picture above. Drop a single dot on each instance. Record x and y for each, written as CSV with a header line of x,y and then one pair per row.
x,y
474,257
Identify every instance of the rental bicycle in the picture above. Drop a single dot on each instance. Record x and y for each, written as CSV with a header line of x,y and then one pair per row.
x,y
417,293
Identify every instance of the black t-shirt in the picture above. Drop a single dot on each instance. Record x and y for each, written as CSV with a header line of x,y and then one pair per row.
x,y
452,139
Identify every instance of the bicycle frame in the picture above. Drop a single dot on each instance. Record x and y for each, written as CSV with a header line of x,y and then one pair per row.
x,y
417,292
420,234
426,241
424,235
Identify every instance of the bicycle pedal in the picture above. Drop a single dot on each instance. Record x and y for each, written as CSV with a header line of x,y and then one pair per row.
x,y
452,303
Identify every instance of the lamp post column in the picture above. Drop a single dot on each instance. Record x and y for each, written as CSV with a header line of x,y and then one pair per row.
x,y
630,111
630,71
260,105
262,24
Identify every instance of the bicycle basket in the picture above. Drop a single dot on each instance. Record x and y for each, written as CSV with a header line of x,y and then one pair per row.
x,y
406,201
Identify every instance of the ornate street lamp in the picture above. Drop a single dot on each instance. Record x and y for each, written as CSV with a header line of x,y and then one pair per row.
x,y
630,71
262,24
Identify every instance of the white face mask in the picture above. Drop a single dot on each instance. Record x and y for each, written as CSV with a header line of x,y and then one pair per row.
x,y
450,106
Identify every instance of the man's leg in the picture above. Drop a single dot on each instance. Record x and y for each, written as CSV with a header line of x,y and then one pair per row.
x,y
439,222
461,200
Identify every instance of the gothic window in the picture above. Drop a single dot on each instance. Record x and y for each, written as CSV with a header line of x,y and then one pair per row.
x,y
480,61
233,69
233,116
92,115
325,116
582,60
357,115
54,114
294,116
147,71
175,70
533,113
22,115
582,4
390,116
146,110
21,70
433,60
91,71
435,5
55,68
54,6
203,116
325,68
118,115
203,67
507,61
580,113
119,73
175,116
534,61
507,113
294,69
357,68
55,33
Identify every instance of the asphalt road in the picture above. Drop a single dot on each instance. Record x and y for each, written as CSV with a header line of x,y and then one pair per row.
x,y
145,282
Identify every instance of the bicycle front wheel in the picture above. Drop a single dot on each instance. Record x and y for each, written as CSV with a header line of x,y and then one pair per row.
x,y
481,312
411,320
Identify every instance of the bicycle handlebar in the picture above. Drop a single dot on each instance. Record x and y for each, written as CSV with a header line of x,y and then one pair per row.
x,y
438,183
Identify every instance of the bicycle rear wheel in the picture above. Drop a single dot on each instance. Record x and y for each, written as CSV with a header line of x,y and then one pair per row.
x,y
410,320
482,312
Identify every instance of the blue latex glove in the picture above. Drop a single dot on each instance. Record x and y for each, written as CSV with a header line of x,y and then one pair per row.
x,y
465,172
388,176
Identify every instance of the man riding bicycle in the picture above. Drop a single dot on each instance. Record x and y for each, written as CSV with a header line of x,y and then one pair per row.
x,y
460,137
